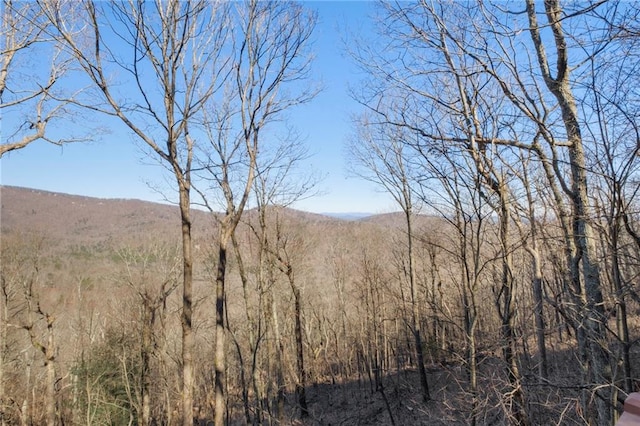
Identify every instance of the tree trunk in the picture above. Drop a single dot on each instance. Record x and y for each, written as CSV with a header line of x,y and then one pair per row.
x,y
536,266
279,353
146,347
543,367
415,318
472,366
4,318
50,356
251,324
187,297
301,383
622,324
593,318
507,311
220,355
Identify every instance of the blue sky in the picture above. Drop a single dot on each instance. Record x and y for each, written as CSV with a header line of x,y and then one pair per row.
x,y
114,166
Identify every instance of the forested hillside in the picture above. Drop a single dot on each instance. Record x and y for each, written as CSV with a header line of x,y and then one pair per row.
x,y
504,290
95,297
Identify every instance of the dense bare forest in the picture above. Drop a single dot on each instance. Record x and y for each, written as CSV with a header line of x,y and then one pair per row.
x,y
504,291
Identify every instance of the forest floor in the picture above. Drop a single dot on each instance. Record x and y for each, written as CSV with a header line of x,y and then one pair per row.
x,y
359,403
554,401
399,402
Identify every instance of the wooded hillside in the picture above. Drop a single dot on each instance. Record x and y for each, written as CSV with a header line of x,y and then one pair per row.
x,y
504,291
94,296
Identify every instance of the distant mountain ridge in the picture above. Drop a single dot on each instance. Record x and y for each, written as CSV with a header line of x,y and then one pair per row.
x,y
348,216
61,216
76,218
14,194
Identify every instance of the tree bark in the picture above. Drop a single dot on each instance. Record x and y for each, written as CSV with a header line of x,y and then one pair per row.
x,y
220,405
187,306
593,318
50,357
4,321
507,311
301,384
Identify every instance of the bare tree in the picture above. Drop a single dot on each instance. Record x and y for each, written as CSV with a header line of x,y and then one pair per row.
x,y
382,155
449,187
270,55
46,346
152,275
168,56
373,339
613,139
23,309
530,237
483,77
561,87
283,252
31,100
280,182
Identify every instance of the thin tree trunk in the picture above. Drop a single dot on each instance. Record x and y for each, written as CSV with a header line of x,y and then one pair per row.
x,y
220,355
279,353
145,379
543,365
536,266
3,343
243,381
187,309
50,356
251,324
301,383
507,312
472,367
622,324
415,319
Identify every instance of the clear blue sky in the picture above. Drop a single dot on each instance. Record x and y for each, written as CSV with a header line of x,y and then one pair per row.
x,y
113,166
